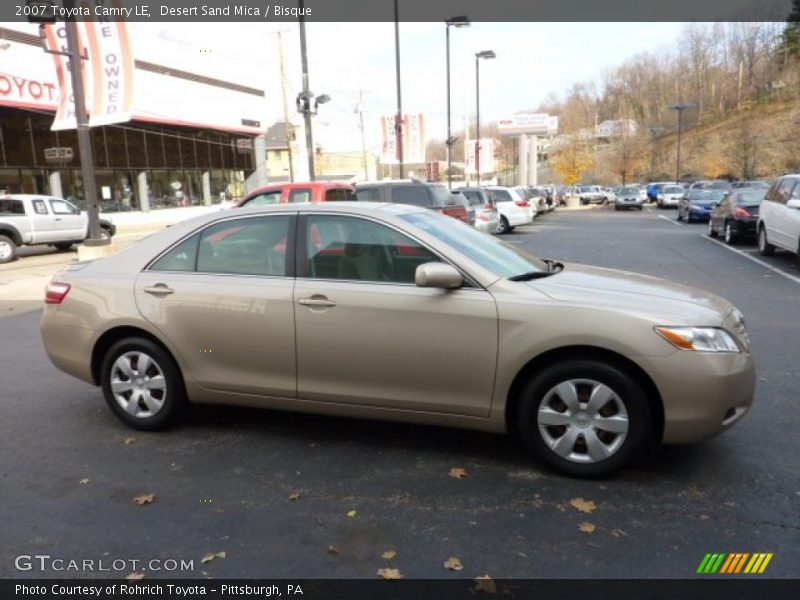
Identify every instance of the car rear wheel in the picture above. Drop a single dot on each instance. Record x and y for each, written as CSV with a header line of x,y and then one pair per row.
x,y
730,237
504,227
584,417
764,247
712,233
142,384
8,249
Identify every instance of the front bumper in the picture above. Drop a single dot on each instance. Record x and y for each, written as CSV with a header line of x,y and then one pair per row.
x,y
703,393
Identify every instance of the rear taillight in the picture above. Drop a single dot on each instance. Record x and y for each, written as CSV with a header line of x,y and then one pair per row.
x,y
522,203
741,213
489,206
55,292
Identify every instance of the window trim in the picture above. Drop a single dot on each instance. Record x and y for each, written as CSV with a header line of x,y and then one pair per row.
x,y
301,256
289,263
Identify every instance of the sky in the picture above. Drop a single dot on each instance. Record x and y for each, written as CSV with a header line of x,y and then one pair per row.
x,y
533,61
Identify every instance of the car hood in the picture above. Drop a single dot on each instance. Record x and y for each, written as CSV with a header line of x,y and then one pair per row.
x,y
665,301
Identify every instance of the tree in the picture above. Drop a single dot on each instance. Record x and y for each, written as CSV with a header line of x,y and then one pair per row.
x,y
571,160
791,34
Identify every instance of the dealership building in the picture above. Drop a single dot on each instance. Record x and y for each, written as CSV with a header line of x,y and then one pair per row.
x,y
192,138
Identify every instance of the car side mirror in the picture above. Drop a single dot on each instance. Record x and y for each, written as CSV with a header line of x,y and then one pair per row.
x,y
793,203
438,275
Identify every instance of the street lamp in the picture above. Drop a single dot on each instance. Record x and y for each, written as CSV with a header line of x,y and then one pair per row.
x,y
485,54
680,107
655,131
461,21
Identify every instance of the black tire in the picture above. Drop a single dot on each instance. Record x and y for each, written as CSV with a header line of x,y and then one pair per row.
x,y
63,246
616,208
712,233
105,233
764,247
629,393
730,237
8,250
504,226
174,397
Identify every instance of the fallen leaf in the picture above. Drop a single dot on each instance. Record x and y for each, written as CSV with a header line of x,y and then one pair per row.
x,y
484,583
584,506
211,556
144,499
561,508
457,473
388,555
695,493
333,550
294,496
618,533
129,440
704,517
453,564
134,576
83,482
389,574
352,513
586,527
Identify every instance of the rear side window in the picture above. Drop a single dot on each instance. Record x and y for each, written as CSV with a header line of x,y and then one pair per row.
x,y
339,195
473,198
273,197
300,195
412,194
181,258
12,207
39,207
500,195
368,195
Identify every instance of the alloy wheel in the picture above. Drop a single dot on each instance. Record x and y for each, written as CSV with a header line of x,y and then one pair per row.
x,y
583,421
5,250
138,384
728,234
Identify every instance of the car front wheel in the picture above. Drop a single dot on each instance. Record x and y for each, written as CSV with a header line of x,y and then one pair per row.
x,y
142,384
584,417
8,249
730,236
764,247
712,233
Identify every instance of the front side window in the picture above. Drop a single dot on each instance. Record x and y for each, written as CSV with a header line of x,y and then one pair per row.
x,y
355,249
254,246
61,207
784,191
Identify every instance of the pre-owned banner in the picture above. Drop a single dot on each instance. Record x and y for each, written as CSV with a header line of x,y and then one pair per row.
x,y
413,140
56,40
112,68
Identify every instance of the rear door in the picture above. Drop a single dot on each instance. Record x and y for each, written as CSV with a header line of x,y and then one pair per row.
x,y
779,224
223,299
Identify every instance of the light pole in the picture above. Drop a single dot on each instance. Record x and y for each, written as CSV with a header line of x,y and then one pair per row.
x,y
398,119
680,107
485,54
461,21
654,131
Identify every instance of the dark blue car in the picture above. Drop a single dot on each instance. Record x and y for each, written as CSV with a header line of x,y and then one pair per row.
x,y
697,205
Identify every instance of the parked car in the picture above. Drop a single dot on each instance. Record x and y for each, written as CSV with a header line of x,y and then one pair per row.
x,y
611,194
310,191
654,188
33,219
513,209
628,197
779,217
487,219
532,202
750,184
545,203
669,195
461,330
434,196
696,205
736,216
590,194
711,184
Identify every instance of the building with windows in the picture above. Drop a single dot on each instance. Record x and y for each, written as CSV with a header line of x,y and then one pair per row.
x,y
190,140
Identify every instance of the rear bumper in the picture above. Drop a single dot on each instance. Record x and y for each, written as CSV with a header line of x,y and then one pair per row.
x,y
744,227
703,393
488,226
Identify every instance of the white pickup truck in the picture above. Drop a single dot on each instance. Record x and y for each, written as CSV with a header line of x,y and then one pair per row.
x,y
32,219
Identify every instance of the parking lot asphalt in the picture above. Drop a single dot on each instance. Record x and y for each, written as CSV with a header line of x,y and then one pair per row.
x,y
286,495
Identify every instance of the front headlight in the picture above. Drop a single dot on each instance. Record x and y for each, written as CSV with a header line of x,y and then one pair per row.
x,y
702,339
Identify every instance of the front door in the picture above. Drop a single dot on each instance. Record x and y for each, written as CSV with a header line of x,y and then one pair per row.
x,y
223,299
68,224
367,335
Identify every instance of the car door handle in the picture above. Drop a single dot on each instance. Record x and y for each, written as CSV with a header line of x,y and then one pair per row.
x,y
159,290
57,219
319,301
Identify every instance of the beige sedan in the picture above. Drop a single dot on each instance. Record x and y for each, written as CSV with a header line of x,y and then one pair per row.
x,y
395,312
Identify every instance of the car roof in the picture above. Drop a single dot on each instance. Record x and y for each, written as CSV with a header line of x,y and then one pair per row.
x,y
395,182
26,196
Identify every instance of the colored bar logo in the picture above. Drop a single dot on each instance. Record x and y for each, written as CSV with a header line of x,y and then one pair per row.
x,y
736,562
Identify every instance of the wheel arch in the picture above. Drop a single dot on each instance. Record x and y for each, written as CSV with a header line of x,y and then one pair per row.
x,y
11,232
544,360
113,335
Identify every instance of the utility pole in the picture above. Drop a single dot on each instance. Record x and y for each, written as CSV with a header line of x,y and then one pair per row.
x,y
360,111
287,126
398,119
75,56
680,107
306,93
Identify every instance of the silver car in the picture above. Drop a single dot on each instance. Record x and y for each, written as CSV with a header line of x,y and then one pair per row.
x,y
487,219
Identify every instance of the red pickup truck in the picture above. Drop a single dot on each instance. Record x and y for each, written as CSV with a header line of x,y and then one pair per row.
x,y
311,191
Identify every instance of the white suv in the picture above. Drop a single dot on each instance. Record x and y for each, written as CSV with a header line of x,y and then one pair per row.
x,y
513,209
779,217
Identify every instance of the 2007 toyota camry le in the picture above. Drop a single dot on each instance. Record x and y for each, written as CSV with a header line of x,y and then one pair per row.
x,y
395,312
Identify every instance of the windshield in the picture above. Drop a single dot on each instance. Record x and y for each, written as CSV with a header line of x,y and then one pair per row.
x,y
674,189
718,185
504,260
749,198
629,191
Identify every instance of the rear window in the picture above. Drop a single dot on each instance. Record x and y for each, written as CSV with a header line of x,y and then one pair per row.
x,y
416,195
442,196
368,195
749,198
11,206
473,198
340,195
